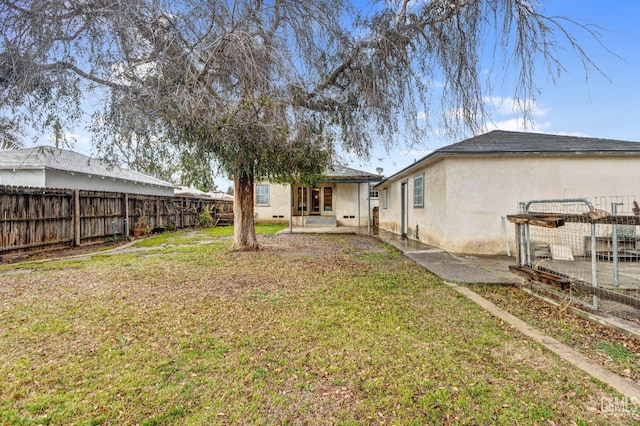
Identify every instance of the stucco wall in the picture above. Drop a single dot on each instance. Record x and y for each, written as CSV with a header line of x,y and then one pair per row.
x,y
345,203
389,212
278,209
467,197
352,202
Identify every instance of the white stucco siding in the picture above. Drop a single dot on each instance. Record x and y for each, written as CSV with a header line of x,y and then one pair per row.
x,y
385,213
479,192
344,199
352,204
495,187
467,197
34,178
278,208
346,204
431,220
605,176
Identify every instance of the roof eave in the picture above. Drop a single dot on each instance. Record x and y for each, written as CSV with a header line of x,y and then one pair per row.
x,y
360,179
436,155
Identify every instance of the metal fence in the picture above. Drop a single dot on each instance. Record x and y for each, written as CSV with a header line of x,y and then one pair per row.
x,y
586,251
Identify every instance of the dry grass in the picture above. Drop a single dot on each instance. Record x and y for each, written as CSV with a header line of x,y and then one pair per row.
x,y
310,330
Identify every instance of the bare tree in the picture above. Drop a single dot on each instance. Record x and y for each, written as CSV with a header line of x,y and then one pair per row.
x,y
9,134
270,88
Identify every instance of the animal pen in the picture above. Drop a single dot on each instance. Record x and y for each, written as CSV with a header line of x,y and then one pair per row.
x,y
586,252
36,219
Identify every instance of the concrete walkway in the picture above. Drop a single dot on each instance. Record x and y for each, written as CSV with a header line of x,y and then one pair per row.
x,y
462,269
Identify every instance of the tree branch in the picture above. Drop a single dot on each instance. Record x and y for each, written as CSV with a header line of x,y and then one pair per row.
x,y
78,71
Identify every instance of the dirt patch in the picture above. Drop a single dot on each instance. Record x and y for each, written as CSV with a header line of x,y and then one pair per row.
x,y
60,253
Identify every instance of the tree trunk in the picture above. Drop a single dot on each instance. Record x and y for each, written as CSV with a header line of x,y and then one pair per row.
x,y
244,233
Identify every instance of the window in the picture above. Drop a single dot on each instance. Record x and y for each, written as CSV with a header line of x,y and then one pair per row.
x,y
384,198
262,194
302,203
418,191
373,193
328,199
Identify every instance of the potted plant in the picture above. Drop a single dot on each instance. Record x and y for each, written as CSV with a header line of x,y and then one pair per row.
x,y
140,227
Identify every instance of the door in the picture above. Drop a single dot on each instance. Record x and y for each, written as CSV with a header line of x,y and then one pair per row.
x,y
404,211
315,201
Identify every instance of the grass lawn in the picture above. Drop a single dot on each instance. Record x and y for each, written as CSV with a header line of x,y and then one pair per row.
x,y
617,351
310,330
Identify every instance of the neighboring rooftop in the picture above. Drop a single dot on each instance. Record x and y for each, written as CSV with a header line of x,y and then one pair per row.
x,y
338,173
190,191
72,162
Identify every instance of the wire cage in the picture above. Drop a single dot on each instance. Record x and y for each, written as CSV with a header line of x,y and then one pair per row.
x,y
584,250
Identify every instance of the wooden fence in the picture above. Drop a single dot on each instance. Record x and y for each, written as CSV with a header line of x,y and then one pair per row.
x,y
35,219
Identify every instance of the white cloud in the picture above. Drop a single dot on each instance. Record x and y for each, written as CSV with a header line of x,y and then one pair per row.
x,y
517,125
578,134
509,106
415,152
509,115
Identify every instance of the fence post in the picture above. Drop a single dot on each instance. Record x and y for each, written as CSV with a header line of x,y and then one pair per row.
x,y
158,212
594,264
522,209
126,215
76,218
518,246
614,240
182,212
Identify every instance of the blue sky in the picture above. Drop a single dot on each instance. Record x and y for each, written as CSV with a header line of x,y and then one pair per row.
x,y
593,105
577,104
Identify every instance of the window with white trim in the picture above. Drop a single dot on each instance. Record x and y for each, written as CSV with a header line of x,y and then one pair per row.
x,y
418,191
262,194
328,198
384,198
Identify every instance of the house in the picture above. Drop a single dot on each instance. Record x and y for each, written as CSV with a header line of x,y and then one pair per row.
x,y
456,197
47,167
190,191
341,198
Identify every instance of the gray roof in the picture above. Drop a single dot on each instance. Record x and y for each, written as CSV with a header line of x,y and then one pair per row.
x,y
501,142
73,162
338,173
